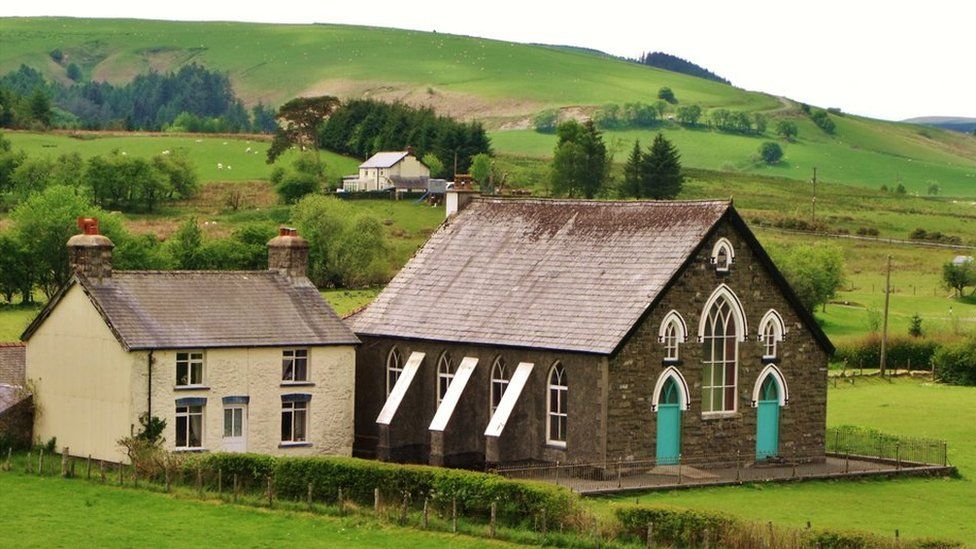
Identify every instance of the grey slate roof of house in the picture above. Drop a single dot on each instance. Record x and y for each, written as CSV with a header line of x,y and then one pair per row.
x,y
207,309
567,275
384,159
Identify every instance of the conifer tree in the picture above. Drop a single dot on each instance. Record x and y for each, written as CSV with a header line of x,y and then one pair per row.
x,y
661,177
632,172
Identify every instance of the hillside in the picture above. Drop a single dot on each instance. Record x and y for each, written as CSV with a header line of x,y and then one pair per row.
x,y
955,123
502,84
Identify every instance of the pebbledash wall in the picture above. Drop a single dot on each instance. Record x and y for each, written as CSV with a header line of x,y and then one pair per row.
x,y
609,412
632,425
98,400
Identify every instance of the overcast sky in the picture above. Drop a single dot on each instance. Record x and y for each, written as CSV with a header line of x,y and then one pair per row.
x,y
889,60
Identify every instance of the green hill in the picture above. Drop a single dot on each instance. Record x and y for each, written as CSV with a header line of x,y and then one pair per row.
x,y
500,83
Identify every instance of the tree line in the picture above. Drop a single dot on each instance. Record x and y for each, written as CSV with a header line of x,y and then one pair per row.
x,y
674,63
192,99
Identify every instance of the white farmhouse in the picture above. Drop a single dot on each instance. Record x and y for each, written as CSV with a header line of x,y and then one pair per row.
x,y
387,170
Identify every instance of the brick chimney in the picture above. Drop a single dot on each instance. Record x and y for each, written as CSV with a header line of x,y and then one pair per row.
x,y
288,253
90,253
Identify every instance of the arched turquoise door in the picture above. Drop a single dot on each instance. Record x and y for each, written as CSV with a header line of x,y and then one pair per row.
x,y
669,424
767,420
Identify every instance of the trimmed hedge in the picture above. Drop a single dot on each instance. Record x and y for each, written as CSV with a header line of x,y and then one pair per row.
x,y
956,363
686,528
903,352
518,501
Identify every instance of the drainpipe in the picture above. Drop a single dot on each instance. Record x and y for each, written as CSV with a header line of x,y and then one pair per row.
x,y
149,391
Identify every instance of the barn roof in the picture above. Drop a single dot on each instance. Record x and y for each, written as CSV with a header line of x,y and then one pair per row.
x,y
566,275
384,159
208,309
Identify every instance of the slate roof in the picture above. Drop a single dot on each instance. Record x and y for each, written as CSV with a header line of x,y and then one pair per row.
x,y
384,159
555,274
207,309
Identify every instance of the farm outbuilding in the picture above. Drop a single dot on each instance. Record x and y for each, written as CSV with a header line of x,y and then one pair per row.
x,y
572,331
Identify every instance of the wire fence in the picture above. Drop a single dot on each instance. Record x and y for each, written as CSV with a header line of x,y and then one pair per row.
x,y
851,452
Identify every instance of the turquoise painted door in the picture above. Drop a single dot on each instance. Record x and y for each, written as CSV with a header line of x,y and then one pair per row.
x,y
767,420
668,425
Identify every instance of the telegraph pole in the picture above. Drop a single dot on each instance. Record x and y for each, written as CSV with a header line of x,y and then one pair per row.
x,y
814,203
884,330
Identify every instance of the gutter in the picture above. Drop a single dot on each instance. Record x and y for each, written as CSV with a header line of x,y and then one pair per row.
x,y
149,362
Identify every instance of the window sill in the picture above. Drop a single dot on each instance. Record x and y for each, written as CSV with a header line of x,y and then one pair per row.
x,y
191,388
671,362
189,450
297,384
707,416
555,445
295,445
768,359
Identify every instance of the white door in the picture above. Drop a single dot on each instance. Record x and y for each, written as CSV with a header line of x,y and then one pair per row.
x,y
235,429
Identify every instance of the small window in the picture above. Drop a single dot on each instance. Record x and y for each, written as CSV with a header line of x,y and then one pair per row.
x,y
189,368
394,367
294,365
499,382
557,406
189,427
723,255
445,374
769,341
294,420
233,422
771,331
671,341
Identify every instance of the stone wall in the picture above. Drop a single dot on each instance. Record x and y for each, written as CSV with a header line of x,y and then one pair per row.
x,y
12,363
464,443
634,371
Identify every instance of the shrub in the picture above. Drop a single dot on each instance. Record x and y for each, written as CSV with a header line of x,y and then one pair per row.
x,y
680,527
867,231
666,94
770,152
956,363
823,121
517,501
911,353
546,121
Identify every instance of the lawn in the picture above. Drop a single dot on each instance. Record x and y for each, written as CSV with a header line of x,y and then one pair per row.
x,y
51,512
205,152
916,507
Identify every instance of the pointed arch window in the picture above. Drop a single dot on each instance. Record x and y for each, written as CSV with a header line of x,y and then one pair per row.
x,y
723,255
720,351
672,334
771,332
499,382
394,367
445,374
557,408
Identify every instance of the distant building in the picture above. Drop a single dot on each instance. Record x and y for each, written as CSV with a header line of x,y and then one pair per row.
x,y
577,331
240,361
399,170
962,259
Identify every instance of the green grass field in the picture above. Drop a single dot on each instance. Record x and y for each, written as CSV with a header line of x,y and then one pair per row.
x,y
500,83
916,507
51,512
205,152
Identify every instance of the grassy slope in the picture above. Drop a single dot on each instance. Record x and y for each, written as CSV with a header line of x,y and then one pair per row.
x,y
51,512
486,79
917,507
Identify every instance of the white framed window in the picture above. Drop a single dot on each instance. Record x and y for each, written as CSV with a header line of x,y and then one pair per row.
x,y
557,406
394,367
672,334
771,332
499,382
189,368
189,427
723,255
670,342
294,421
445,374
233,422
294,365
720,351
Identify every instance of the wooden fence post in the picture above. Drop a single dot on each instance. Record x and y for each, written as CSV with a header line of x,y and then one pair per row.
x,y
237,487
403,507
454,514
121,480
166,476
342,503
309,497
650,535
40,463
101,471
706,538
494,512
270,492
88,468
199,481
220,483
64,462
426,513
738,466
27,463
545,527
135,475
376,501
